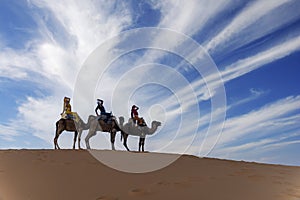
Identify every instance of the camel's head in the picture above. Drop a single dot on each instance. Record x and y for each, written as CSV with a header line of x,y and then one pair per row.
x,y
121,119
130,121
157,123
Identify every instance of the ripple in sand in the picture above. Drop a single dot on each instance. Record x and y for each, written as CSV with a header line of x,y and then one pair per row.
x,y
138,192
177,184
256,177
107,198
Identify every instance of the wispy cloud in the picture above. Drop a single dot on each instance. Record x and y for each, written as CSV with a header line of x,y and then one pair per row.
x,y
269,55
189,17
263,16
254,94
8,132
88,23
265,128
275,118
50,61
244,66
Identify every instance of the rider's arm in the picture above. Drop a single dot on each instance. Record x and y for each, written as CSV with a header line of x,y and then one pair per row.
x,y
132,115
96,110
64,109
102,109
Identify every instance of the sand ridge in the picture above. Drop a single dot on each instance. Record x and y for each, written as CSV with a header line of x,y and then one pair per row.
x,y
76,174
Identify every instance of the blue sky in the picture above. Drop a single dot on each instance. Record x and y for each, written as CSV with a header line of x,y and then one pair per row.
x,y
254,45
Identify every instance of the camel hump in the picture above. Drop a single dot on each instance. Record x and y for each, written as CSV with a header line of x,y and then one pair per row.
x,y
92,116
63,120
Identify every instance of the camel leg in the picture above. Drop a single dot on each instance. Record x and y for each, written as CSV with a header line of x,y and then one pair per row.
x,y
75,138
58,132
94,126
87,138
112,139
141,144
125,136
79,138
91,133
56,135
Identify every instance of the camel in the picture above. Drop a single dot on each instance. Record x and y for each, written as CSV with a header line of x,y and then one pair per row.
x,y
69,125
141,131
99,125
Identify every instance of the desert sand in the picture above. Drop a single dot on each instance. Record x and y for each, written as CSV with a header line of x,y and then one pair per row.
x,y
76,174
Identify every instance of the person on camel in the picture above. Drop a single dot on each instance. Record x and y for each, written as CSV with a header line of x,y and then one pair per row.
x,y
67,111
135,116
103,114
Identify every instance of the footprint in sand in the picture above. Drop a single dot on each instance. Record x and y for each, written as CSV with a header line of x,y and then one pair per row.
x,y
176,184
256,177
107,198
277,182
41,159
138,192
242,172
196,179
294,196
181,184
163,183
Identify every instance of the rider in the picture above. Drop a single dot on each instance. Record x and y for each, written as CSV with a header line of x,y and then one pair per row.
x,y
102,110
135,116
67,110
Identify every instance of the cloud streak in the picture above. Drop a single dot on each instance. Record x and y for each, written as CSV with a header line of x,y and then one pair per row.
x,y
273,119
245,20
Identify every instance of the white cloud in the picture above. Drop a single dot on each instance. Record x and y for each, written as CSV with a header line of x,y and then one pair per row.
x,y
8,132
90,23
275,118
185,17
54,63
244,66
251,14
15,65
269,55
259,131
39,115
281,144
188,16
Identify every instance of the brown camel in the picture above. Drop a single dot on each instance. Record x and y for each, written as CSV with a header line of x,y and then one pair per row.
x,y
69,125
130,129
99,125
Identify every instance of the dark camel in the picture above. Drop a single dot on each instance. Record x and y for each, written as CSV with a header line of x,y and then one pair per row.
x,y
99,125
69,125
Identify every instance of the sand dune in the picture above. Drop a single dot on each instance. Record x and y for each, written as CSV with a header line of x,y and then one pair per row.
x,y
76,174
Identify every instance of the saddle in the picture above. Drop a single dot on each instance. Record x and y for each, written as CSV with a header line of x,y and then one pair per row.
x,y
106,118
141,122
67,116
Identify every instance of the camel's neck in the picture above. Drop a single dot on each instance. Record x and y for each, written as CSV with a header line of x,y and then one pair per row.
x,y
83,125
86,126
152,129
121,122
